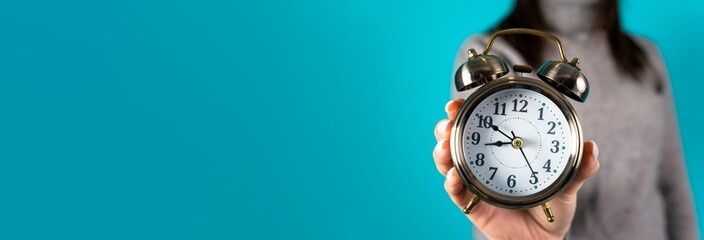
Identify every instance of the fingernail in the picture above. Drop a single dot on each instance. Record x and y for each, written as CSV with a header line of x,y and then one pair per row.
x,y
450,173
442,127
595,150
440,146
447,106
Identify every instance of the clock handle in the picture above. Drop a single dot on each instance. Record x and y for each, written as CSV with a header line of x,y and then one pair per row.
x,y
529,32
563,75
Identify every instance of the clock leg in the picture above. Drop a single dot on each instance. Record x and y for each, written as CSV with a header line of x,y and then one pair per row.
x,y
548,212
471,204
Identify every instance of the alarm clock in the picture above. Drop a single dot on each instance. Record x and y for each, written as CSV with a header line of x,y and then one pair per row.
x,y
517,142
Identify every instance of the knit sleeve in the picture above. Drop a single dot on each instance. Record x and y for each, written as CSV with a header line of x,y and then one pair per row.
x,y
673,179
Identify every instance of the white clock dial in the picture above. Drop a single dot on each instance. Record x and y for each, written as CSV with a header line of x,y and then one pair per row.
x,y
491,135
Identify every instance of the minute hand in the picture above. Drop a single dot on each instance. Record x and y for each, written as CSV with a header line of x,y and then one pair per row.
x,y
524,157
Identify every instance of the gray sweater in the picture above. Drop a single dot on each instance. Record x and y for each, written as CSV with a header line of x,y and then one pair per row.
x,y
641,190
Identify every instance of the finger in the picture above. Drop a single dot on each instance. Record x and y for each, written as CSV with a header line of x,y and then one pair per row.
x,y
454,187
461,197
452,107
441,155
588,167
442,129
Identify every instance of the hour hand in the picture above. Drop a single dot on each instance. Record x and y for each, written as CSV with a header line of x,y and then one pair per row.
x,y
497,143
496,128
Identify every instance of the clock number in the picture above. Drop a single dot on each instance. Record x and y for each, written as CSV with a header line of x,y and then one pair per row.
x,y
511,182
534,178
546,166
480,159
494,173
503,108
552,128
475,138
515,105
541,114
556,145
485,122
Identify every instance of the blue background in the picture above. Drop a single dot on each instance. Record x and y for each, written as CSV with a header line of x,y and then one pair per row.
x,y
253,119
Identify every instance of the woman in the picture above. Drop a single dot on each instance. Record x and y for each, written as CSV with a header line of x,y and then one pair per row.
x,y
642,189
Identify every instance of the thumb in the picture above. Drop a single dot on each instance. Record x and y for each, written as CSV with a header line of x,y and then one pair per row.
x,y
588,167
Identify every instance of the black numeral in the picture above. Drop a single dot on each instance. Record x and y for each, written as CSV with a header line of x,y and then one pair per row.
x,y
503,108
494,173
511,182
546,166
515,105
552,127
475,138
541,114
485,122
556,146
480,159
534,178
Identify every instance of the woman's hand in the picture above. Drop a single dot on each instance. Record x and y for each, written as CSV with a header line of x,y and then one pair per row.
x,y
499,223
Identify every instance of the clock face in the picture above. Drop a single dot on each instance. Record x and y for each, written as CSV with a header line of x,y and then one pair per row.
x,y
516,142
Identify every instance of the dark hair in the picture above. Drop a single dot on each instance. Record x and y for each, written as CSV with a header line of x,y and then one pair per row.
x,y
527,14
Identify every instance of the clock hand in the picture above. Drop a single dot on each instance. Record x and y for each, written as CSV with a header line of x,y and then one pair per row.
x,y
496,128
497,143
524,157
519,145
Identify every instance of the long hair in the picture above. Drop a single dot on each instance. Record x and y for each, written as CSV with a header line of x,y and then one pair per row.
x,y
527,14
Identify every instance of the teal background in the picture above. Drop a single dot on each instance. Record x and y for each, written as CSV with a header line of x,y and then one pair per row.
x,y
253,119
